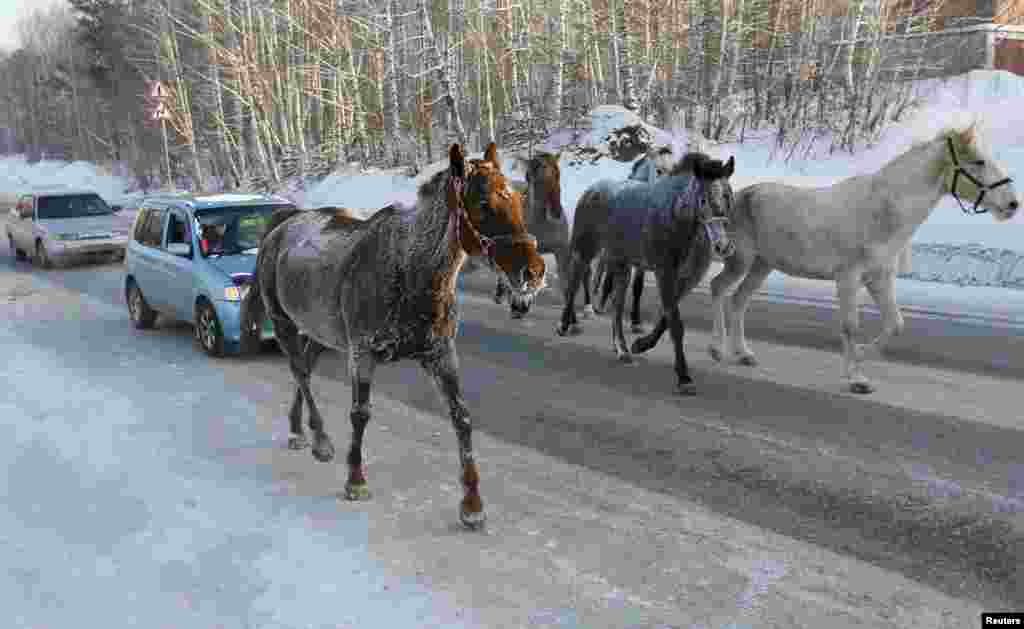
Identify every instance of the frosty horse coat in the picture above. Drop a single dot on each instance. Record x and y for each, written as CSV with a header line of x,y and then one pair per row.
x,y
854,233
383,289
654,164
670,227
542,213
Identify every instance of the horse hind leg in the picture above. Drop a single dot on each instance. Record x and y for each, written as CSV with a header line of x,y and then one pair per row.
x,y
443,370
636,323
362,369
620,273
737,312
303,353
569,324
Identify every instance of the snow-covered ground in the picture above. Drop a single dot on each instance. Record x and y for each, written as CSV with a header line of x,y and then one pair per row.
x,y
950,248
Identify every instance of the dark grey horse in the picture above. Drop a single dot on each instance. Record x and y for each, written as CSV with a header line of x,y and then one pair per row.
x,y
654,164
670,227
383,289
543,213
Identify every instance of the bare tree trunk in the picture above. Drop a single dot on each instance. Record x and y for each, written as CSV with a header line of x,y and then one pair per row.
x,y
443,73
626,56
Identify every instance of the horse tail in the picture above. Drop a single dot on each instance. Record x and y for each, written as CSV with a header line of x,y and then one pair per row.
x,y
253,308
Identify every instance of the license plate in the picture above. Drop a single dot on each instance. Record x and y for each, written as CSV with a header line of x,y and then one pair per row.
x,y
268,329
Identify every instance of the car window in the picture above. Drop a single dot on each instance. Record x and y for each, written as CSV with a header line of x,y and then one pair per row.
x,y
72,206
234,230
152,227
178,230
140,223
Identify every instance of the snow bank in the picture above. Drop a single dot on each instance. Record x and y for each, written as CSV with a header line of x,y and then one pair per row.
x,y
17,176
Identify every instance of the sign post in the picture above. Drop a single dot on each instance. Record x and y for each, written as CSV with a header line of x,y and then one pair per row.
x,y
157,111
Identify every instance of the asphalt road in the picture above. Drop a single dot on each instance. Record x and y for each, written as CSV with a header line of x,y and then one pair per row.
x,y
901,509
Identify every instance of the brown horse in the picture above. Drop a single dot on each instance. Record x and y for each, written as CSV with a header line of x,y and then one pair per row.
x,y
383,290
543,213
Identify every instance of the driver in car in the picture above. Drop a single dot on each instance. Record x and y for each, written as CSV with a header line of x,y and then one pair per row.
x,y
213,239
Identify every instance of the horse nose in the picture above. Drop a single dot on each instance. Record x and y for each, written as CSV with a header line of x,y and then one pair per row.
x,y
1013,205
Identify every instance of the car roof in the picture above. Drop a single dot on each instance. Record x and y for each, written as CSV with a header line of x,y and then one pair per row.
x,y
215,200
58,191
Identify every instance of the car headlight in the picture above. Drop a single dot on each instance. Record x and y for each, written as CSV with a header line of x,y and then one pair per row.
x,y
233,293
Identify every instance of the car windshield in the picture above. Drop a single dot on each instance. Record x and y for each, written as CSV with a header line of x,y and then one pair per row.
x,y
233,231
72,206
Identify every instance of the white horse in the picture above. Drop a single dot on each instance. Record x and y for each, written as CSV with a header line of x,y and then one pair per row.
x,y
855,232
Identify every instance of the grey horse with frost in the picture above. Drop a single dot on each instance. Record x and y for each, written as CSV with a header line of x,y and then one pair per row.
x,y
854,233
654,164
670,227
382,290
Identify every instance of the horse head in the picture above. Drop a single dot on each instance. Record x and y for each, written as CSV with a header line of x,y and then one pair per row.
x,y
970,170
710,194
496,211
544,184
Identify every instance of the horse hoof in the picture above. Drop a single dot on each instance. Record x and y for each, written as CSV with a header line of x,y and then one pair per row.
x,y
715,353
357,492
561,330
472,520
517,315
862,388
575,329
323,449
748,360
297,442
638,328
686,388
625,358
588,312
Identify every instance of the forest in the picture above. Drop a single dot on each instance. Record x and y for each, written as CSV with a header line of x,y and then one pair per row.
x,y
252,93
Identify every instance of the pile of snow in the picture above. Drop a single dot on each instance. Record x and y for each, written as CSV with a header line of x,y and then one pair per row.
x,y
17,176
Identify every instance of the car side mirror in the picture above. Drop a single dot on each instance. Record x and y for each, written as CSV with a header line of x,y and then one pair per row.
x,y
180,249
116,208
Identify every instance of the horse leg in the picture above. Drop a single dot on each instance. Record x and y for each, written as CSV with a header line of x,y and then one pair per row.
x,y
569,323
302,357
593,276
636,324
620,273
499,291
847,286
443,369
644,343
670,312
736,337
882,288
293,345
588,306
361,370
725,282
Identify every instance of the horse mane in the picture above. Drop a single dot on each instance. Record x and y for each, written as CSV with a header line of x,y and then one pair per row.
x,y
433,186
339,217
701,165
648,156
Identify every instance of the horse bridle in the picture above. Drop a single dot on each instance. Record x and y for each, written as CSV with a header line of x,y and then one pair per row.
x,y
959,170
492,241
706,222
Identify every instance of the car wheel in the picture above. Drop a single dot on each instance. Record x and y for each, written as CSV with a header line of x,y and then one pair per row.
x,y
42,257
143,317
208,332
18,254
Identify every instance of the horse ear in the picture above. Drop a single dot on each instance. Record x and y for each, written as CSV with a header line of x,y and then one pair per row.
x,y
730,166
968,133
457,161
491,154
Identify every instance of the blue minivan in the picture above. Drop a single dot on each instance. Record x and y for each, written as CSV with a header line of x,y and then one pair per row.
x,y
191,258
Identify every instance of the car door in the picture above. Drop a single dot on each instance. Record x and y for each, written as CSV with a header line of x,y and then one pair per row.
x,y
147,257
178,268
